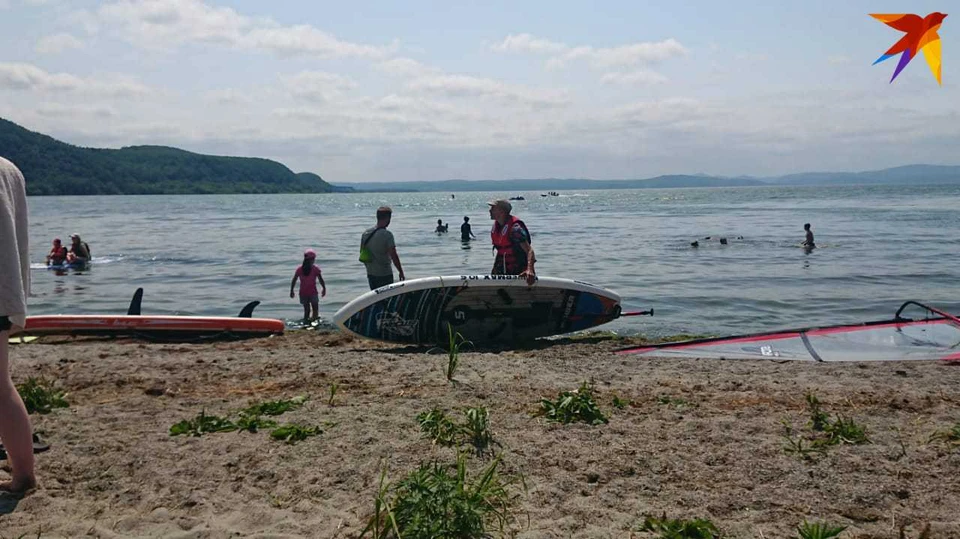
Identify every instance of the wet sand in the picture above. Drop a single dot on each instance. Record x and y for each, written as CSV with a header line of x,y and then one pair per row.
x,y
699,438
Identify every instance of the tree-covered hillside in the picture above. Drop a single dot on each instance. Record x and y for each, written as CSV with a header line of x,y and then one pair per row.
x,y
52,167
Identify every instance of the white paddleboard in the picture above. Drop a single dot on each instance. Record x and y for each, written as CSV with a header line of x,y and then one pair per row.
x,y
485,309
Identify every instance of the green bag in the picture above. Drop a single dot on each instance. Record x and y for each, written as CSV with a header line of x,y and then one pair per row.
x,y
365,254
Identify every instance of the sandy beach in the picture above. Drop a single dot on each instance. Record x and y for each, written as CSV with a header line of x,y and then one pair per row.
x,y
696,439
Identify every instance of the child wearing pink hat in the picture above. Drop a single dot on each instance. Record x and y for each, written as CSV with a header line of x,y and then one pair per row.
x,y
309,274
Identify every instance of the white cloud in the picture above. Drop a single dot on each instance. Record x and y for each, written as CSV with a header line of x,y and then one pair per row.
x,y
4,4
57,43
406,67
633,78
163,23
228,96
602,57
455,86
318,85
528,43
56,110
31,78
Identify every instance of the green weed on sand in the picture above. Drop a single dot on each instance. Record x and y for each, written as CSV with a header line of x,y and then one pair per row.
x,y
442,501
572,406
40,396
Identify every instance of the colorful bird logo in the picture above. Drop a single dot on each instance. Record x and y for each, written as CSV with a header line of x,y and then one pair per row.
x,y
921,36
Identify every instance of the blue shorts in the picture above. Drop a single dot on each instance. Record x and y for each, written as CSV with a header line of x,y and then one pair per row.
x,y
309,300
5,323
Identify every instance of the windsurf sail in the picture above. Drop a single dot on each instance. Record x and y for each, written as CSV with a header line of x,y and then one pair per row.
x,y
933,336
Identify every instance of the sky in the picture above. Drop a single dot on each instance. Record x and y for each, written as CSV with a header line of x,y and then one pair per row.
x,y
433,90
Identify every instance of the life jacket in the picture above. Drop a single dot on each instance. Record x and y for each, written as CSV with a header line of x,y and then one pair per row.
x,y
513,256
58,255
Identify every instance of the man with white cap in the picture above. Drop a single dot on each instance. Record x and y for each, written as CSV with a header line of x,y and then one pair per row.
x,y
15,430
511,239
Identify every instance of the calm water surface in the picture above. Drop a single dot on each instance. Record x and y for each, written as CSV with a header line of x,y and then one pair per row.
x,y
878,246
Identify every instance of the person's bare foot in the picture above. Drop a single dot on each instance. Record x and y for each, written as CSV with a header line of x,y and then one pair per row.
x,y
19,486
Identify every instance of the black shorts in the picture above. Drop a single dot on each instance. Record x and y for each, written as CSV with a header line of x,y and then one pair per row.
x,y
378,281
5,323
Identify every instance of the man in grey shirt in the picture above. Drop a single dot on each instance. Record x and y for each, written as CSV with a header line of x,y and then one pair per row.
x,y
379,242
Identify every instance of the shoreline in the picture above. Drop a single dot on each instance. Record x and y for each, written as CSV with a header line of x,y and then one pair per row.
x,y
696,438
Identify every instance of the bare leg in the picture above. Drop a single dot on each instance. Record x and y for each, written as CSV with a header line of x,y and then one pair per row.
x,y
15,430
315,306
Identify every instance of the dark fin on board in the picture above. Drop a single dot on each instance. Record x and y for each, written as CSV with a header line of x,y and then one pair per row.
x,y
134,309
247,310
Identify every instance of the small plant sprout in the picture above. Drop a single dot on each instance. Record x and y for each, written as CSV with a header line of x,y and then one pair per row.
x,y
818,419
950,436
573,406
477,429
444,502
292,434
675,528
819,530
203,424
333,393
438,427
276,407
619,403
40,396
455,343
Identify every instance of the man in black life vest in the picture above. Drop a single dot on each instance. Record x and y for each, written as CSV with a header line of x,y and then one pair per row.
x,y
511,239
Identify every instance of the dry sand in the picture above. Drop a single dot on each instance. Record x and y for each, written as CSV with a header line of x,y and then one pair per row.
x,y
114,471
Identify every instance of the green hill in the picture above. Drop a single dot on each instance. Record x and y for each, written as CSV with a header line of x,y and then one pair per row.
x,y
52,167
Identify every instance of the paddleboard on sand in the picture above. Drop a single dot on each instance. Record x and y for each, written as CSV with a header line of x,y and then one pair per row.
x,y
136,324
485,309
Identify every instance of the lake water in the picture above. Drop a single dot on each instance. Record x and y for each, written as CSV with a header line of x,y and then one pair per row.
x,y
878,246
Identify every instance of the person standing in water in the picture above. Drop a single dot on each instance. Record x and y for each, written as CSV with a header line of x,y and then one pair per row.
x,y
808,242
442,228
15,430
466,234
511,239
308,273
378,249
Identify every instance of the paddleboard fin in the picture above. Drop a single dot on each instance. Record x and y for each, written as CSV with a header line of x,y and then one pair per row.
x,y
247,310
134,309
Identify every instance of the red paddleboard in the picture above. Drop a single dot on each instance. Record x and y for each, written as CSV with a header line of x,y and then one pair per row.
x,y
133,323
121,324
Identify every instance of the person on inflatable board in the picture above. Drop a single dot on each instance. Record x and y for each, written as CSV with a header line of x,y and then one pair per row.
x,y
808,242
466,232
308,273
58,253
15,431
79,251
378,249
511,240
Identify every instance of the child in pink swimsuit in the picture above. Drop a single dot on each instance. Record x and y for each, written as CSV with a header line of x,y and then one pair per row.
x,y
308,273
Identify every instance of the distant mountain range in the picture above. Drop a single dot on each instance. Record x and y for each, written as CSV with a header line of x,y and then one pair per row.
x,y
905,175
57,168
